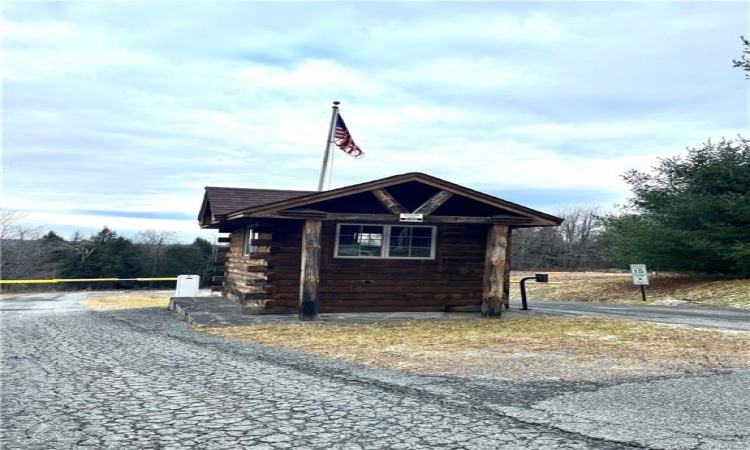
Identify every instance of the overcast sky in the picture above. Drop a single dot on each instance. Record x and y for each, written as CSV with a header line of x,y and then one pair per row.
x,y
120,113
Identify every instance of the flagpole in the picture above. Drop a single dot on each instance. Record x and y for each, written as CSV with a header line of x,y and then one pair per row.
x,y
324,168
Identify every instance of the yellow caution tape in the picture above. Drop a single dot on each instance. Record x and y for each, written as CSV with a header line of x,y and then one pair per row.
x,y
74,280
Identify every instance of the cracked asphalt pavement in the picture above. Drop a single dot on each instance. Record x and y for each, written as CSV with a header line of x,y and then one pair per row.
x,y
140,379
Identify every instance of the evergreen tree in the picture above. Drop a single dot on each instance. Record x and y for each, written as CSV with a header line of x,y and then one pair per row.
x,y
691,214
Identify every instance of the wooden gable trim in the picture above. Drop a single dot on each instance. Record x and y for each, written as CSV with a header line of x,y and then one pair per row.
x,y
433,203
305,199
500,219
268,210
390,203
539,217
204,216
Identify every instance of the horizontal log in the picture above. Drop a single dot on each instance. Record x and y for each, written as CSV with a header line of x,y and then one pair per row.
x,y
250,296
426,270
462,259
407,291
263,252
386,282
304,214
263,242
261,310
224,239
259,289
257,269
392,299
217,288
256,282
218,279
465,308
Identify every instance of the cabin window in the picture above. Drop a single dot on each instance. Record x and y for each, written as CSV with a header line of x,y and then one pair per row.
x,y
385,241
250,237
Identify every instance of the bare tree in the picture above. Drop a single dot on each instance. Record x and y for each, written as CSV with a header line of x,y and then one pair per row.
x,y
153,244
22,254
579,233
572,246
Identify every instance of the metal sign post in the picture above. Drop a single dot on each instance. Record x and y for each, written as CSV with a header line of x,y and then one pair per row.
x,y
640,277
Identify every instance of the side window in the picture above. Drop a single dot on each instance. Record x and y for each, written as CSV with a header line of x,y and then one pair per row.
x,y
250,237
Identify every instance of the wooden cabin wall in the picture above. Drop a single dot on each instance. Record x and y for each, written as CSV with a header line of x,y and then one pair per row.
x,y
235,272
250,279
285,263
454,278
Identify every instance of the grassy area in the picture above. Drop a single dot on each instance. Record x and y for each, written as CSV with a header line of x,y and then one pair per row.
x,y
128,301
514,348
540,348
618,287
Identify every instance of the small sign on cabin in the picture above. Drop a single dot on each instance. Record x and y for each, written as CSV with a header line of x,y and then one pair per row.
x,y
640,275
405,217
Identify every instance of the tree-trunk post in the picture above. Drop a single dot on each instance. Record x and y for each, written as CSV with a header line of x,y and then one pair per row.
x,y
310,270
506,273
494,297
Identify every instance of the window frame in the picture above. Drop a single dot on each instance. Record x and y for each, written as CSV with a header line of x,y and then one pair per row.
x,y
248,248
385,248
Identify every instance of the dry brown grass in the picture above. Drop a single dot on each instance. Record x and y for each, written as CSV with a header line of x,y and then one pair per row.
x,y
520,349
533,348
126,302
618,287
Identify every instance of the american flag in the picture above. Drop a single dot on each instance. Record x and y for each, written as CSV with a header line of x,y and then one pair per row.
x,y
344,141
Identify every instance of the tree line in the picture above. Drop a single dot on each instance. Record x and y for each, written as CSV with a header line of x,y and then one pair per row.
x,y
689,214
28,253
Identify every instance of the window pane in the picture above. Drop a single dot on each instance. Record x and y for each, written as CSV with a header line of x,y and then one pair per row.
x,y
420,252
410,242
422,232
348,250
421,242
360,240
398,252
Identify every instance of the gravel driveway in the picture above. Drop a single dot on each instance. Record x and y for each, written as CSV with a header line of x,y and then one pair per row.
x,y
141,380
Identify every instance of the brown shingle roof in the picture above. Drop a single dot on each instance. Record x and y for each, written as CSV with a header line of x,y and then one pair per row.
x,y
224,200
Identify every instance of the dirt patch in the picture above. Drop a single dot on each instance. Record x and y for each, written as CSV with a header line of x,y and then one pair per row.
x,y
524,349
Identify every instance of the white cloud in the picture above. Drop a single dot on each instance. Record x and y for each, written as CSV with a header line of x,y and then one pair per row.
x,y
136,106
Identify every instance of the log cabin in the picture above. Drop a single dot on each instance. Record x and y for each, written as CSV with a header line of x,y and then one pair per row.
x,y
409,242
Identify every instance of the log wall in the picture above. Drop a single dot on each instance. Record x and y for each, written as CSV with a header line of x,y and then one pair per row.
x,y
453,280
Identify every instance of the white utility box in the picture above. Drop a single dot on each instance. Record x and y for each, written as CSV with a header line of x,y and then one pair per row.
x,y
187,285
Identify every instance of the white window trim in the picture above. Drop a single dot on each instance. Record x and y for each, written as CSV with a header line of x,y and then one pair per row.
x,y
386,241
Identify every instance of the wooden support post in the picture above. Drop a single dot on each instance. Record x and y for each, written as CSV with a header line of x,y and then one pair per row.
x,y
495,262
506,273
310,270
